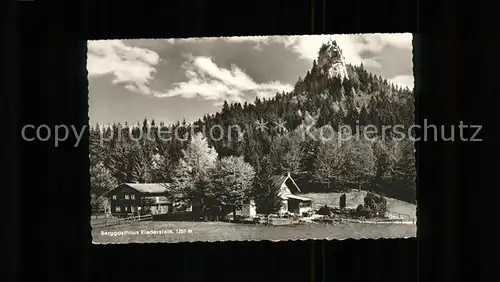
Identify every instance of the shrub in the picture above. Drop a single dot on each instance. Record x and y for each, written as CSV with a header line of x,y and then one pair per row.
x,y
324,210
307,214
342,212
360,211
375,205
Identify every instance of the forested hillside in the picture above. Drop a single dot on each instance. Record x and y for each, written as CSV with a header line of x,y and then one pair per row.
x,y
330,94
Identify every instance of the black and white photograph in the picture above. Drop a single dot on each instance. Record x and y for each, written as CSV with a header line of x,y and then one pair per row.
x,y
252,138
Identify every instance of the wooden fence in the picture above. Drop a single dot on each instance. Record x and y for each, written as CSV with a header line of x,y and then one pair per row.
x,y
283,221
380,221
366,221
398,215
105,222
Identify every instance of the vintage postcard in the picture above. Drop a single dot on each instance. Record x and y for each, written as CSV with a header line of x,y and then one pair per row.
x,y
252,138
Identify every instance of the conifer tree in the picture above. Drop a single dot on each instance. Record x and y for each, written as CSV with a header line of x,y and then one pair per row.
x,y
140,170
266,193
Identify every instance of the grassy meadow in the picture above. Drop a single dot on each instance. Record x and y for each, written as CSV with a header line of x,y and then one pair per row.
x,y
354,198
222,231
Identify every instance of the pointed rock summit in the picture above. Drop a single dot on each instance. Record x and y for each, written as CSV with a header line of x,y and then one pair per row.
x,y
331,60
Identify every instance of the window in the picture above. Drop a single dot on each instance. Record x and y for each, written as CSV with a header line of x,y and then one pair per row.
x,y
114,197
117,208
126,197
126,208
132,209
132,197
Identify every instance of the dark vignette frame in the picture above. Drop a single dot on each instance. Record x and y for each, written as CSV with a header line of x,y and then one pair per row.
x,y
53,83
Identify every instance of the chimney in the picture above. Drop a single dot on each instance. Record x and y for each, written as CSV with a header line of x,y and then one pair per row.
x,y
288,174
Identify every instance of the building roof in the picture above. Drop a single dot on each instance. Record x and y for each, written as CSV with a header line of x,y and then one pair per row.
x,y
300,198
149,187
146,188
278,180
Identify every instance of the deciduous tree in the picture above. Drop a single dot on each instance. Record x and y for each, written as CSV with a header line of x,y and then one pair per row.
x,y
359,164
101,181
232,180
349,160
192,174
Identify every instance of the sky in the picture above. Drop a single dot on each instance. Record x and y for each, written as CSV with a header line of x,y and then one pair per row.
x,y
174,79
